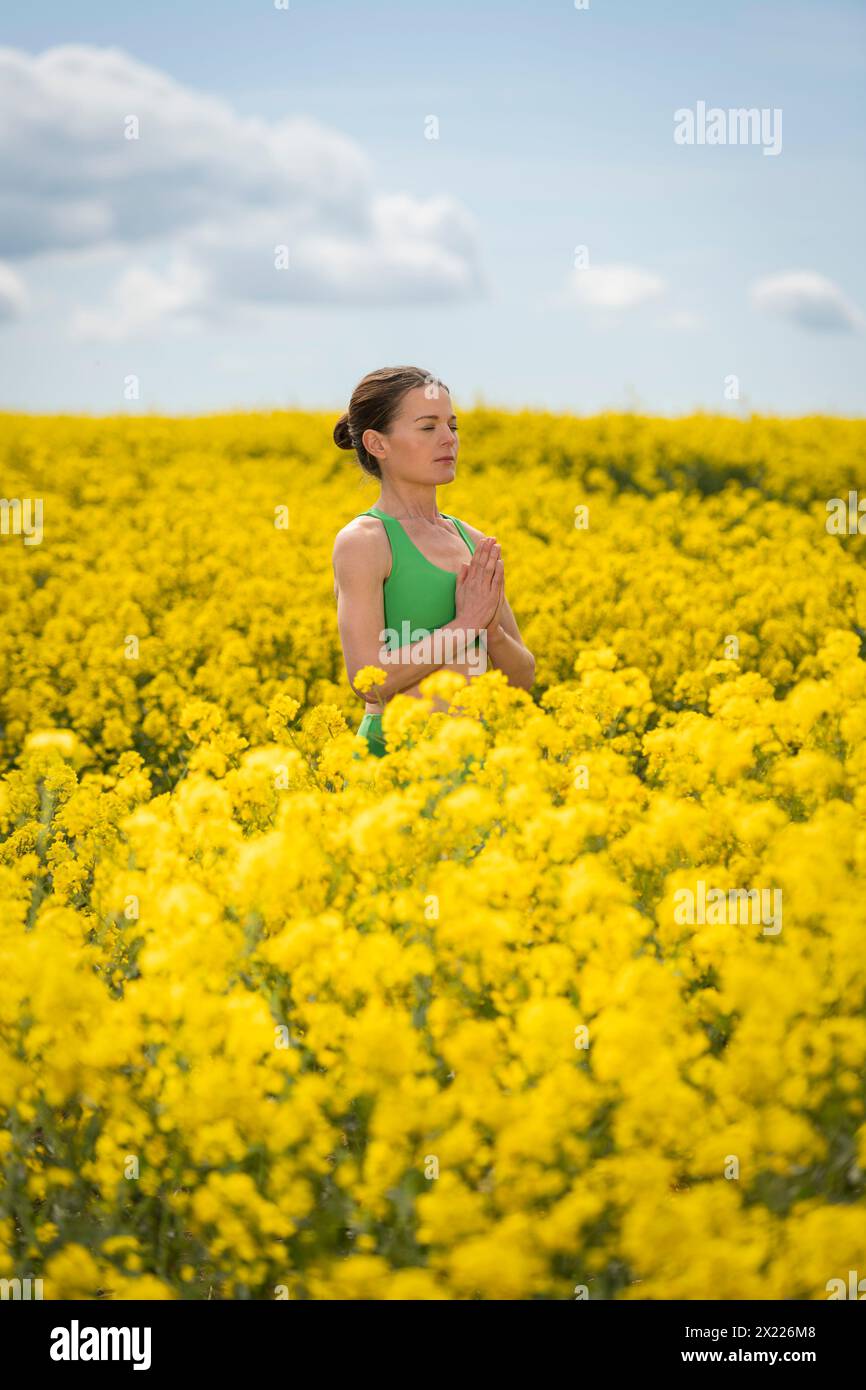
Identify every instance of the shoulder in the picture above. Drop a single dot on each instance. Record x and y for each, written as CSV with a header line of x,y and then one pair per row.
x,y
471,531
360,544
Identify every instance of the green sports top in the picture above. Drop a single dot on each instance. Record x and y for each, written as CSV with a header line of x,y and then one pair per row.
x,y
419,596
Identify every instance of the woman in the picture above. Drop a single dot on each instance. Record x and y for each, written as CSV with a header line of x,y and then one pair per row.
x,y
401,572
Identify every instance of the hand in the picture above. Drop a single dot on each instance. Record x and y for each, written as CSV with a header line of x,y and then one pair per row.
x,y
500,611
480,587
497,616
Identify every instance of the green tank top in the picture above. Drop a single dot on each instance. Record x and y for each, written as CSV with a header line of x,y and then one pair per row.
x,y
419,596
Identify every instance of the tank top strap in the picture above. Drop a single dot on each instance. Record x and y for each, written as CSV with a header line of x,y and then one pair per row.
x,y
401,544
391,524
462,529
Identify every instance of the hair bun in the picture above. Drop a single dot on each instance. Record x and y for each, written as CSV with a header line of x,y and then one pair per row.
x,y
374,405
342,436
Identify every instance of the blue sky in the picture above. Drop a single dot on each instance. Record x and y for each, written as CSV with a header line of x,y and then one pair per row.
x,y
715,276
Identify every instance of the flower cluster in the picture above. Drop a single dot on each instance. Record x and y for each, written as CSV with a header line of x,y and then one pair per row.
x,y
279,1018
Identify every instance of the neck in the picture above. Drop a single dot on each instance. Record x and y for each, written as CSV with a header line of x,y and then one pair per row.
x,y
409,502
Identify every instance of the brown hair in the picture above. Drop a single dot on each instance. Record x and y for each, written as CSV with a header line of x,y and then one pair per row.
x,y
375,401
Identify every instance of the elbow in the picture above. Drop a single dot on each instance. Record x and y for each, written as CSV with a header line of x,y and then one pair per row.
x,y
350,674
376,694
357,693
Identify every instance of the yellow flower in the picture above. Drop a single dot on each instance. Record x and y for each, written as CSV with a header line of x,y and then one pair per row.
x,y
281,713
72,1273
367,677
64,740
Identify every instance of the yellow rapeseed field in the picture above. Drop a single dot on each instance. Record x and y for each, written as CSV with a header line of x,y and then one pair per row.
x,y
562,998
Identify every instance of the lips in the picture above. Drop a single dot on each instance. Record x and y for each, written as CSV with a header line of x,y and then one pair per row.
x,y
445,458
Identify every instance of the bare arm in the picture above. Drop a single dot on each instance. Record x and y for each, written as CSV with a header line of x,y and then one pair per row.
x,y
360,566
508,651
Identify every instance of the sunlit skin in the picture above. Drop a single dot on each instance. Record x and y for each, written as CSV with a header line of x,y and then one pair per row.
x,y
417,455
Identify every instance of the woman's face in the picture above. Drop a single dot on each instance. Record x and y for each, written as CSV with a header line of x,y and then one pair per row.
x,y
421,444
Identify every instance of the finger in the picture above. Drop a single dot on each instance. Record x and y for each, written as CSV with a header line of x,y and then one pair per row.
x,y
479,557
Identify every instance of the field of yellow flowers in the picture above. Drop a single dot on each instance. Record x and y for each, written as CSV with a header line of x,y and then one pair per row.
x,y
501,1015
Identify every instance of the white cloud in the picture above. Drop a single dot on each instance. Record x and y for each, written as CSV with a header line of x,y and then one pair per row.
x,y
808,299
141,300
71,177
219,269
218,190
13,294
614,286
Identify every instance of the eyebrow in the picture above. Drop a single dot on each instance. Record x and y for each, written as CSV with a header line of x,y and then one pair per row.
x,y
452,416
